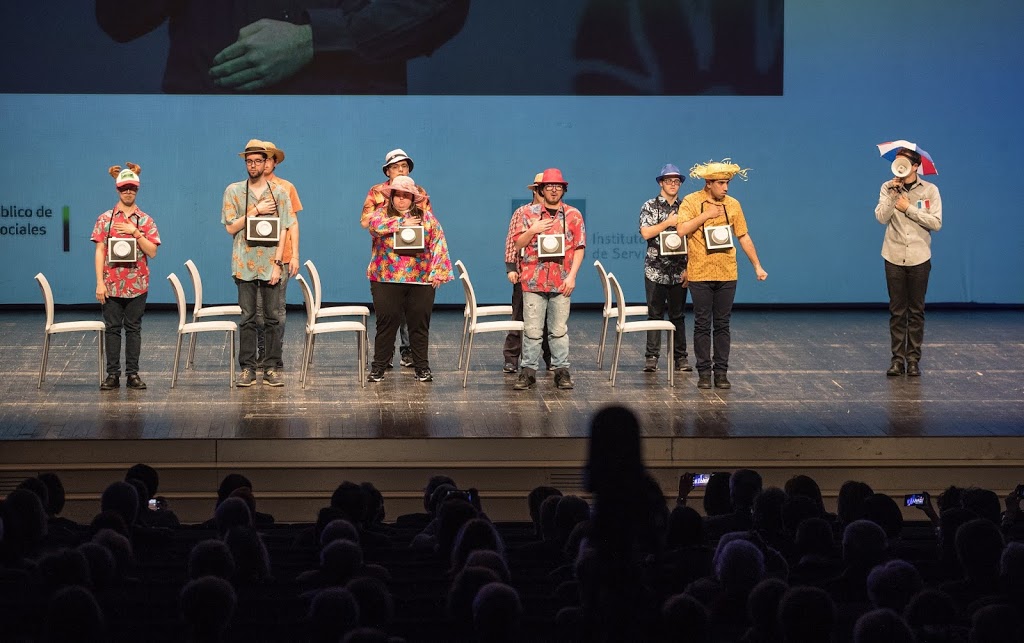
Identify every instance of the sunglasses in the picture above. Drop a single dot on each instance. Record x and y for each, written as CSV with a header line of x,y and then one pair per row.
x,y
128,188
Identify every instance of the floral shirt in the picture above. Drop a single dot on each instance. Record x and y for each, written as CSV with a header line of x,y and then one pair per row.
x,y
250,263
126,279
546,275
420,268
375,199
293,194
660,270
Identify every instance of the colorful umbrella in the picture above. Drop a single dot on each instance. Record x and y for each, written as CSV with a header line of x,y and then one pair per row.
x,y
889,149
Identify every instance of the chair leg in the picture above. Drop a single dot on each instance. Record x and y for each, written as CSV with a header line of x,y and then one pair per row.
x,y
469,351
231,359
615,361
600,350
361,341
190,357
42,365
672,360
177,355
312,343
462,343
307,357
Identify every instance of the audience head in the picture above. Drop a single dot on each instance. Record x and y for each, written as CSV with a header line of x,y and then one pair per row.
x,y
122,498
440,494
684,619
54,493
38,487
252,561
102,566
62,568
797,509
931,608
73,615
374,513
950,498
864,544
140,493
763,607
807,615
805,487
1011,568
207,605
950,522
579,536
979,546
492,560
341,560
148,475
996,624
884,512
850,504
768,510
231,482
337,530
534,499
614,462
231,513
882,626
350,499
463,590
685,528
120,548
983,502
497,612
891,585
432,485
108,520
376,608
245,494
570,511
333,613
739,567
744,485
25,523
548,510
451,516
716,494
211,558
473,535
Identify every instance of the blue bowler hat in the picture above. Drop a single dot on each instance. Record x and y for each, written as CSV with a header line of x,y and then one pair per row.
x,y
670,170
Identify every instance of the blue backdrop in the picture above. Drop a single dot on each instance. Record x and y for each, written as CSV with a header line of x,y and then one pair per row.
x,y
946,75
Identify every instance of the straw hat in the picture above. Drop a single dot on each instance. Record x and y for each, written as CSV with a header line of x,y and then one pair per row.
x,y
403,184
718,170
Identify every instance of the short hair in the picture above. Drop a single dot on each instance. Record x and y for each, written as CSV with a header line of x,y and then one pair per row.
x,y
333,613
349,498
914,157
207,605
744,485
62,568
463,590
882,626
475,534
806,487
233,512
767,512
497,612
995,623
73,614
211,558
684,618
763,604
252,561
433,483
547,512
807,615
571,510
122,498
931,607
120,547
983,502
893,584
38,487
864,543
979,546
814,536
231,482
55,493
492,560
850,503
716,494
534,499
451,516
884,512
147,474
739,567
376,607
102,567
341,560
25,519
685,528
796,510
338,529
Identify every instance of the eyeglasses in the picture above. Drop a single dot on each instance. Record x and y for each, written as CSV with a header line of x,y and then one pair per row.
x,y
128,188
255,161
554,186
671,182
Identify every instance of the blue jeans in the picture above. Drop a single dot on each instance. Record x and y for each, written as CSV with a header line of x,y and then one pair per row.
x,y
538,308
126,313
712,302
273,307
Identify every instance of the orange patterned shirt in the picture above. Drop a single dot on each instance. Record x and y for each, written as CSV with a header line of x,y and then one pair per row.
x,y
713,265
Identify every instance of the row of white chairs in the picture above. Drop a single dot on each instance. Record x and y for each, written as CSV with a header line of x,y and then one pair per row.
x,y
318,316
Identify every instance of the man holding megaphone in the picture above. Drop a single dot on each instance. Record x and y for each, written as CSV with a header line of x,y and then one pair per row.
x,y
910,208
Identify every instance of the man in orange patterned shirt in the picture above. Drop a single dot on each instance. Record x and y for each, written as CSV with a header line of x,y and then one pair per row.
x,y
711,268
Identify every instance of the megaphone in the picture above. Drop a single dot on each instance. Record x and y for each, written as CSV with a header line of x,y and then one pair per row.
x,y
901,167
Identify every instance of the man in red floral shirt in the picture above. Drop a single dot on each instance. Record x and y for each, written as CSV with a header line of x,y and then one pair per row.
x,y
122,286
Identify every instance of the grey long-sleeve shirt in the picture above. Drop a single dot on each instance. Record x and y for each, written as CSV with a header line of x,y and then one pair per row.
x,y
908,235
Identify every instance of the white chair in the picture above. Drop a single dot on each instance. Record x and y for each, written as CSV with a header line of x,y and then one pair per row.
x,y
622,327
609,311
314,328
474,327
198,312
331,311
481,311
51,328
230,328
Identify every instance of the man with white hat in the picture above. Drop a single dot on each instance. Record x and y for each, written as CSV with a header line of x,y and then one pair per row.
x,y
396,163
664,275
123,286
548,278
711,219
257,268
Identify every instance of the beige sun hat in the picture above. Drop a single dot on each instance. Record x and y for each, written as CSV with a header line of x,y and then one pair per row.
x,y
718,170
255,146
274,151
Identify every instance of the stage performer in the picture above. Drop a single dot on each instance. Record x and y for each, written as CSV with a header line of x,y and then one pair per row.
x,y
403,282
514,340
548,282
122,287
664,275
255,267
291,251
712,268
396,163
910,209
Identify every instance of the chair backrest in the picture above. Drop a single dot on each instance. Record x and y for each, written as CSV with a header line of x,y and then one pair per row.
x,y
179,298
197,285
44,285
314,274
602,274
307,296
619,299
461,267
467,287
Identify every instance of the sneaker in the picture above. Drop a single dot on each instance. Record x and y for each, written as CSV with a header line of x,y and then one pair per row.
x,y
509,367
406,360
247,378
376,374
563,379
550,367
527,378
651,364
135,382
391,365
424,374
704,380
721,381
683,365
112,382
272,378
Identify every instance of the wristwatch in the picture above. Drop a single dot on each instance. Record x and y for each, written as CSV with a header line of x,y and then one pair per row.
x,y
278,263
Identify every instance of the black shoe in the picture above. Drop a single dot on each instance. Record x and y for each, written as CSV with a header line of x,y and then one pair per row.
x,y
721,381
376,374
112,382
527,378
913,370
651,364
424,374
406,360
704,380
896,368
563,379
509,367
135,382
683,365
247,378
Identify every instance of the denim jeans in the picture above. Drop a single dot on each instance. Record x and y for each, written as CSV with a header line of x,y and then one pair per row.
x,y
513,348
540,308
907,287
261,343
657,296
712,302
272,321
126,313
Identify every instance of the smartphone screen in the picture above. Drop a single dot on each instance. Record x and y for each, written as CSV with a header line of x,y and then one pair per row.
x,y
701,479
913,499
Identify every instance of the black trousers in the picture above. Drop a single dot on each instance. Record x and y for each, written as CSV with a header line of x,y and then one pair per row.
x,y
712,304
907,287
513,348
124,313
393,302
657,296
